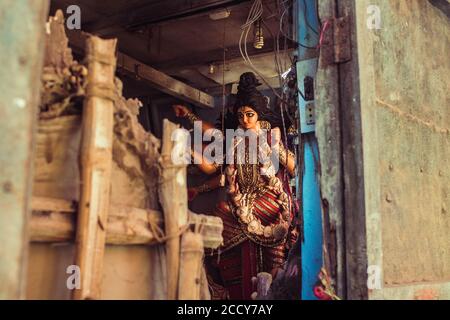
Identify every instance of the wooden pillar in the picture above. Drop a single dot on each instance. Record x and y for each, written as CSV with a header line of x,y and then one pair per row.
x,y
328,132
191,257
22,29
173,198
96,162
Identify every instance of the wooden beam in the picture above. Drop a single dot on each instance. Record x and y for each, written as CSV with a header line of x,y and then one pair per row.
x,y
163,82
328,133
22,43
52,204
96,164
353,165
154,78
216,55
53,221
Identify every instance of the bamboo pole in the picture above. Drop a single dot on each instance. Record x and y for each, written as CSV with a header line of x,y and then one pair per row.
x,y
192,264
173,198
53,221
96,163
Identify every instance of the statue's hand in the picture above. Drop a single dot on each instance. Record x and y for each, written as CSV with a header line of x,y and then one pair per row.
x,y
192,193
276,136
180,110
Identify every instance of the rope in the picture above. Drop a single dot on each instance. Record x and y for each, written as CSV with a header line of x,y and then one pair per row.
x,y
105,59
102,91
159,233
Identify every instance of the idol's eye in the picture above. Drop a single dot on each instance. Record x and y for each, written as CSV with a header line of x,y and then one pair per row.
x,y
250,114
241,115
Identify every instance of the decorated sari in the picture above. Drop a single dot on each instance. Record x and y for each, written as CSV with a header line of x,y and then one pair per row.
x,y
258,220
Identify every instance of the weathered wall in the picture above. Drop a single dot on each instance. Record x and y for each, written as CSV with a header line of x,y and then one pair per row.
x,y
21,55
130,272
404,75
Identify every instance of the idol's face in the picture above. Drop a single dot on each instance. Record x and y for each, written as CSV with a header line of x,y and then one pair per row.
x,y
247,117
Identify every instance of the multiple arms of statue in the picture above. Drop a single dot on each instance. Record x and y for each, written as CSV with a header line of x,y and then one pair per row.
x,y
287,159
209,185
184,112
203,164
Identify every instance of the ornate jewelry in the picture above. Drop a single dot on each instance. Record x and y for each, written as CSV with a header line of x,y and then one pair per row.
x,y
192,117
292,130
284,154
246,184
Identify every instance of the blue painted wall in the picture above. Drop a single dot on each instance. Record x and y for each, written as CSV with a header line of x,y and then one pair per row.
x,y
307,34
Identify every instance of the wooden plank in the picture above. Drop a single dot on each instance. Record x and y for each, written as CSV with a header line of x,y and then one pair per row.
x,y
53,220
173,198
52,204
52,227
163,82
21,57
353,166
150,75
96,164
192,264
328,132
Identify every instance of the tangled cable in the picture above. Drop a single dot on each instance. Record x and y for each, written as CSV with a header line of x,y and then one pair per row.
x,y
255,14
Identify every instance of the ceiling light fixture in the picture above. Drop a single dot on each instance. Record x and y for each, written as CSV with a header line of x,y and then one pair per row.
x,y
258,42
211,69
219,15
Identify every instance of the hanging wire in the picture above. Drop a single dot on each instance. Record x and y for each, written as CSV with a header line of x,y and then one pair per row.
x,y
281,66
286,8
256,12
223,86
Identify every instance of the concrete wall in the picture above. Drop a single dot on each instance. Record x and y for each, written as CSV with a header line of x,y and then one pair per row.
x,y
405,105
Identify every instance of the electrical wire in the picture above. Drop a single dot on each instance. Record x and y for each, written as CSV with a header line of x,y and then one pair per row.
x,y
281,67
286,8
255,14
223,87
